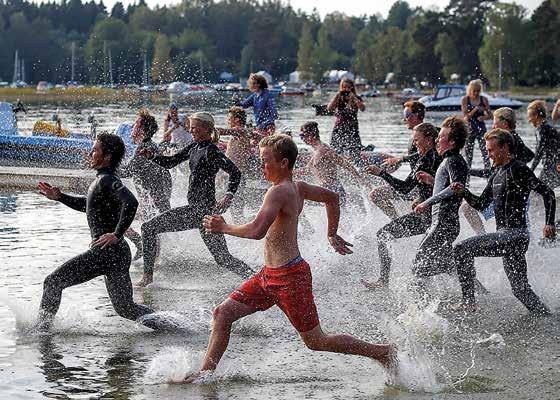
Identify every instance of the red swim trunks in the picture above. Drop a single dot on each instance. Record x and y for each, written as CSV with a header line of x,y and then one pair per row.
x,y
289,287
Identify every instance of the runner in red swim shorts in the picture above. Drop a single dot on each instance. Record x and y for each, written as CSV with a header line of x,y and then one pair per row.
x,y
286,278
289,287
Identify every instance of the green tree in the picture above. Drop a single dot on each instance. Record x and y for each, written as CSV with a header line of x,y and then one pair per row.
x,y
449,55
325,57
162,66
507,32
305,53
399,14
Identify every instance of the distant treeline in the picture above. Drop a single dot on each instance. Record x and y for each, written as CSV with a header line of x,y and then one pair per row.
x,y
202,38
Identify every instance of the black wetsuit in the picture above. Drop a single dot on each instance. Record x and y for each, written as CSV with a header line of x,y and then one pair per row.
x,y
548,149
149,177
410,224
205,160
509,188
110,208
434,255
520,152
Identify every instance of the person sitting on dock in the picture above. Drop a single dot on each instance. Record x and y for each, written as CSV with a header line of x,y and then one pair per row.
x,y
110,208
152,182
205,160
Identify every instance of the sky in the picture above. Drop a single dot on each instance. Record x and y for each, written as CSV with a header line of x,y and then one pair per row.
x,y
351,7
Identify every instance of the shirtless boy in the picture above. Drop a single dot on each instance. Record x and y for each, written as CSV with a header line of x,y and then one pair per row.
x,y
325,161
285,280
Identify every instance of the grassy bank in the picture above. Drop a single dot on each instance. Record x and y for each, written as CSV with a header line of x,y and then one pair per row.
x,y
81,95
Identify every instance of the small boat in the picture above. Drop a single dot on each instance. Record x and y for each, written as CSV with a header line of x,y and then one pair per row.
x,y
448,98
371,93
292,91
47,150
406,94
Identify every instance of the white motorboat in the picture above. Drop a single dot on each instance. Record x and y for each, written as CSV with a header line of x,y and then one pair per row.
x,y
448,98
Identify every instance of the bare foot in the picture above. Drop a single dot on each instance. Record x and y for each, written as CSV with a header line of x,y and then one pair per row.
x,y
463,307
145,281
191,378
374,285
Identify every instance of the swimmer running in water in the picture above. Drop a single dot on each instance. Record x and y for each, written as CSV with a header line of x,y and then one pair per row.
x,y
508,187
421,177
285,280
110,208
325,161
205,160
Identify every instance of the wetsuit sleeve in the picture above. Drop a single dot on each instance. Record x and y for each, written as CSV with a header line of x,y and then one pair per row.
x,y
458,173
411,158
128,202
77,203
481,202
219,159
480,172
527,177
174,160
522,152
400,186
539,152
248,102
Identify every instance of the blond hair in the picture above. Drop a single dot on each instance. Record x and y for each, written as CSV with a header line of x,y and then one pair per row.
x,y
507,115
283,146
539,107
475,84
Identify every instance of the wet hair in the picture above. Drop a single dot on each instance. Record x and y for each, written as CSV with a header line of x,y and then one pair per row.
x,y
475,84
311,127
350,82
507,115
502,137
458,132
283,146
427,129
148,123
416,107
539,107
259,80
112,145
239,114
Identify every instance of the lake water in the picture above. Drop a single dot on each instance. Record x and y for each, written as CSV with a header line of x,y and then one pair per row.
x,y
499,352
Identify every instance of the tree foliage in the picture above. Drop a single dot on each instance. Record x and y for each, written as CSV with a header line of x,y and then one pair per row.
x,y
198,39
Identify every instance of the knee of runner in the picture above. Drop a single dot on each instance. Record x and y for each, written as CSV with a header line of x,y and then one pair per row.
x,y
383,235
220,316
51,282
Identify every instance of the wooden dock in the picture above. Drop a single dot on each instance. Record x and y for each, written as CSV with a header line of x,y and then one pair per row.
x,y
25,178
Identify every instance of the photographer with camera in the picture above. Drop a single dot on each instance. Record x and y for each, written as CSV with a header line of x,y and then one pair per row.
x,y
346,133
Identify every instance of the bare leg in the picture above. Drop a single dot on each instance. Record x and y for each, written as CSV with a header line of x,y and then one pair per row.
x,y
473,219
381,196
317,340
224,316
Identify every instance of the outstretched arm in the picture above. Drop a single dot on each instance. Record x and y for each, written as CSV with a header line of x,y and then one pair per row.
x,y
331,201
77,203
258,227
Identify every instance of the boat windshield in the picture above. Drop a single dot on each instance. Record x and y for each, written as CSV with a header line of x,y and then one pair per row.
x,y
444,92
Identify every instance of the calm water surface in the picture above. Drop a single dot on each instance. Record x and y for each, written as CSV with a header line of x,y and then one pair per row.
x,y
499,352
